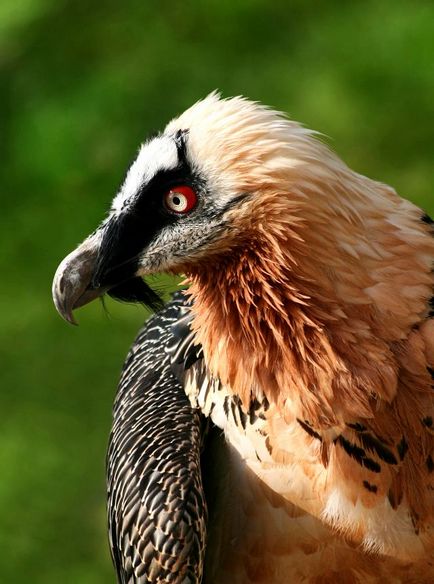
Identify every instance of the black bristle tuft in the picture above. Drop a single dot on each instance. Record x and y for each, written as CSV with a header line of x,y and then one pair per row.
x,y
102,300
136,290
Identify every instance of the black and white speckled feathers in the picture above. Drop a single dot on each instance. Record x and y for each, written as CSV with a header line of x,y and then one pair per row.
x,y
156,505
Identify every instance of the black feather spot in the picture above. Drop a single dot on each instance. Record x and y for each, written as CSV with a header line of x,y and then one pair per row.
x,y
234,410
369,487
265,404
257,409
243,417
427,422
226,406
307,428
373,444
427,219
268,445
430,463
371,465
402,448
193,355
431,372
357,427
358,454
394,498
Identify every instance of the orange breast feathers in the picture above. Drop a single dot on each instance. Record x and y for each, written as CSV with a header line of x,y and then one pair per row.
x,y
319,302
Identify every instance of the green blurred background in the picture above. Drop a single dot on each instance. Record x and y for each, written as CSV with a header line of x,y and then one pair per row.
x,y
83,84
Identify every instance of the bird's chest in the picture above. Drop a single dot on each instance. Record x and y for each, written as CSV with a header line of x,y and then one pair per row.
x,y
274,450
255,534
272,498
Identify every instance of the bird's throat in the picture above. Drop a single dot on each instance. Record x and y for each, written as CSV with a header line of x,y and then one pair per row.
x,y
262,334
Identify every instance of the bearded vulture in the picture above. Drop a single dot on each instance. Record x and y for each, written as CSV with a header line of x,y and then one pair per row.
x,y
275,421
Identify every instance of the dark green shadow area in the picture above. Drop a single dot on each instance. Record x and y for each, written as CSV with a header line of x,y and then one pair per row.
x,y
82,85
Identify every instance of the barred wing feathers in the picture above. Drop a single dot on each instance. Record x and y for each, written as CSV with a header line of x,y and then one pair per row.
x,y
156,505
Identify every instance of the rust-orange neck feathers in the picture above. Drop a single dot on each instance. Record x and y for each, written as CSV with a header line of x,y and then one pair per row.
x,y
320,276
310,311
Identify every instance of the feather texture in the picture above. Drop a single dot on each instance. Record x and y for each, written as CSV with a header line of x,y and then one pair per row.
x,y
306,337
157,510
317,300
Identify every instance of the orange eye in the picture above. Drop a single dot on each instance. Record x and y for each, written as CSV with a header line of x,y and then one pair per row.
x,y
180,199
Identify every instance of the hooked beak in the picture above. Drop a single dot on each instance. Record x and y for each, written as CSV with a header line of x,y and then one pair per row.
x,y
92,270
72,281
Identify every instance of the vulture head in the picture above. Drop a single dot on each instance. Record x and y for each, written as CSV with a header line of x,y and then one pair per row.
x,y
292,258
214,182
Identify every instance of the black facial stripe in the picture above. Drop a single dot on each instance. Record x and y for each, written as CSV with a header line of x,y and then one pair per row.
x,y
118,258
151,194
128,233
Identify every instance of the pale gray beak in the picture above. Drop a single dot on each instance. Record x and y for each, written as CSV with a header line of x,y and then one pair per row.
x,y
71,284
102,263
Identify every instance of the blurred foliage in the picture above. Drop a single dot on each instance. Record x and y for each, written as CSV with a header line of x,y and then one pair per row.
x,y
83,84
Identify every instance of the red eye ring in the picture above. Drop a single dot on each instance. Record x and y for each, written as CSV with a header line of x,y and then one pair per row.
x,y
180,199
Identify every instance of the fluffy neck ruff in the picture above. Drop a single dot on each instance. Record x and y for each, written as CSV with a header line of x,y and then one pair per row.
x,y
314,295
